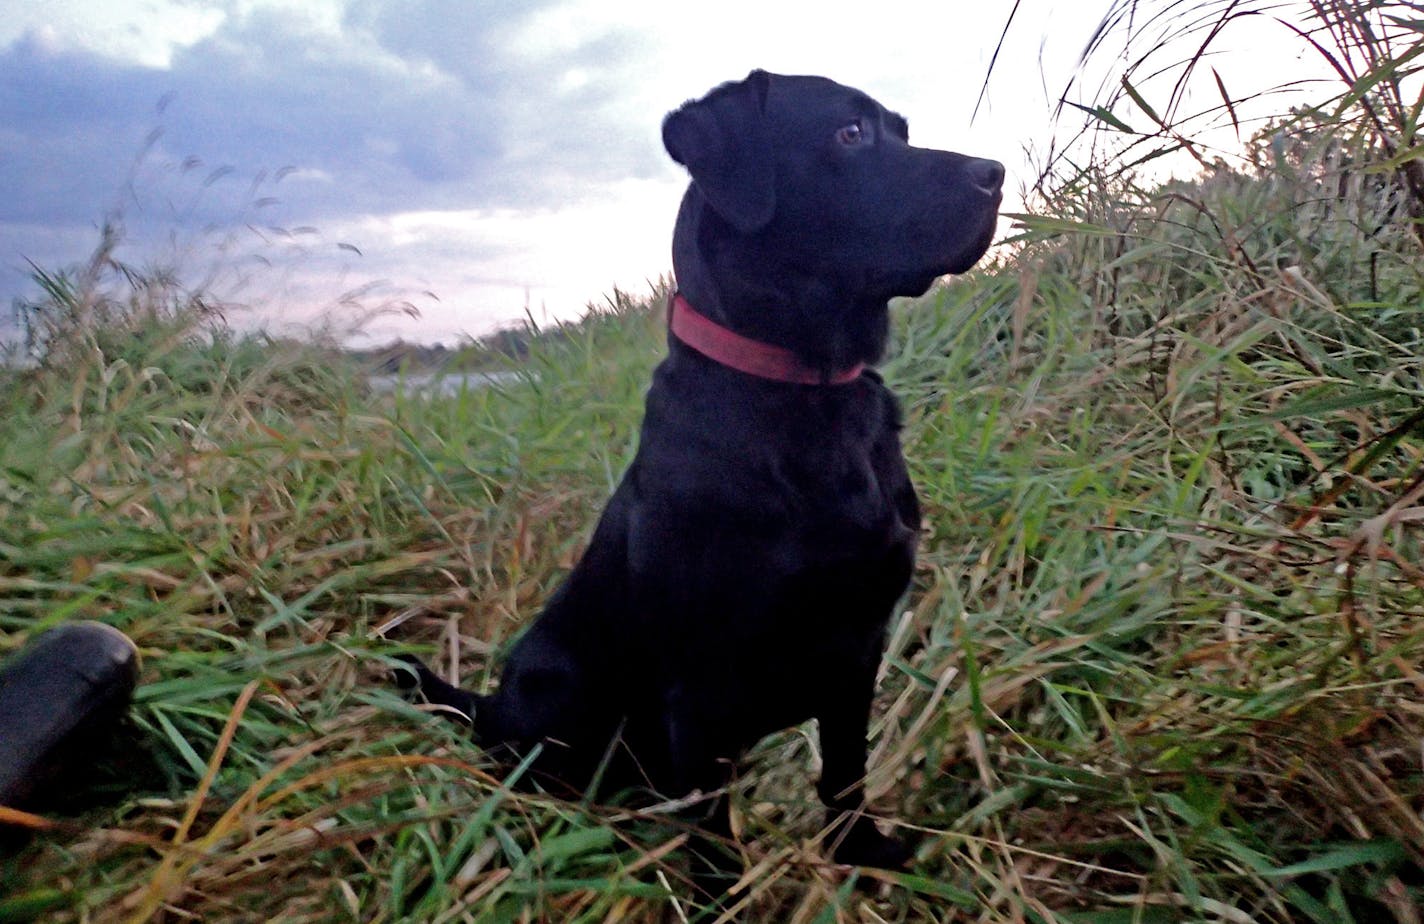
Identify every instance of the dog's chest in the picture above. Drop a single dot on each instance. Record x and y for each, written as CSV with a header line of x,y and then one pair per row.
x,y
846,543
837,505
839,474
799,496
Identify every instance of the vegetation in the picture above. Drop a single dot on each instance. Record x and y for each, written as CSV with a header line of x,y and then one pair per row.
x,y
1161,662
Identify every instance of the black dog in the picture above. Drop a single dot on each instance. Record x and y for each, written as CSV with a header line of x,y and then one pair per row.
x,y
741,576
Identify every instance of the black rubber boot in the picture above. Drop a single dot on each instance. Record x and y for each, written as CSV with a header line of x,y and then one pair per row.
x,y
60,697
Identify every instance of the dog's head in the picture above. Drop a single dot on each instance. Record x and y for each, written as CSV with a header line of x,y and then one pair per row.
x,y
820,182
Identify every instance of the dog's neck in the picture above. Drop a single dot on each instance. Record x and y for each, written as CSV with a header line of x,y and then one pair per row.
x,y
753,357
737,282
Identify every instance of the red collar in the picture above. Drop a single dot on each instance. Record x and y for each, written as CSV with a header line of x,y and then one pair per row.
x,y
744,354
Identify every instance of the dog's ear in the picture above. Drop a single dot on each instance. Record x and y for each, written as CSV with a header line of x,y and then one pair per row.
x,y
721,140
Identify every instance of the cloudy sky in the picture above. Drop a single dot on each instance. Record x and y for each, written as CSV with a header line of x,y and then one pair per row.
x,y
474,158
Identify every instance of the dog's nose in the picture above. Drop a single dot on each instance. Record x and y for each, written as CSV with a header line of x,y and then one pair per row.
x,y
986,174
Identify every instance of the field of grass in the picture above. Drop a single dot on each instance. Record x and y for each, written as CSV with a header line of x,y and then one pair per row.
x,y
1163,659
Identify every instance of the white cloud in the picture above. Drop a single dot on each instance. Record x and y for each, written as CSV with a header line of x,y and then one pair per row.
x,y
487,266
145,32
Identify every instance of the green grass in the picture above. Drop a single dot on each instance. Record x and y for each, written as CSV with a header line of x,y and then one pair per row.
x,y
1161,660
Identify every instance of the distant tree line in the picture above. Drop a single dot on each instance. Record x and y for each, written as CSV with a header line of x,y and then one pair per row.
x,y
472,354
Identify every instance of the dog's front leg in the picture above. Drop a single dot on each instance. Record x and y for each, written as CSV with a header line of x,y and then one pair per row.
x,y
845,725
694,766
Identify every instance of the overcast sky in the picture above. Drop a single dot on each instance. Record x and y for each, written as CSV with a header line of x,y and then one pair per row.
x,y
471,157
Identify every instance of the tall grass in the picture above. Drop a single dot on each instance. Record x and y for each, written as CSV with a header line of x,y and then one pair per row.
x,y
1161,661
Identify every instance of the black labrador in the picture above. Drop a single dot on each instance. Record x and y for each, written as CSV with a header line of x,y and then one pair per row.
x,y
741,577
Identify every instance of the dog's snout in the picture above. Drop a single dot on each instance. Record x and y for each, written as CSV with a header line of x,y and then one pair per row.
x,y
987,175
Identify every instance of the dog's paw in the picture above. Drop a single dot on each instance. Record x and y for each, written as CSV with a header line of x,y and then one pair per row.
x,y
864,845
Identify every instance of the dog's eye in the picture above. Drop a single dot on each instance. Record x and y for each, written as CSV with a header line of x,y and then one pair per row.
x,y
850,135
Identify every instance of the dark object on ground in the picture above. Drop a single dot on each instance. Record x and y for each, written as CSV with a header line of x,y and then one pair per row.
x,y
60,699
741,577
